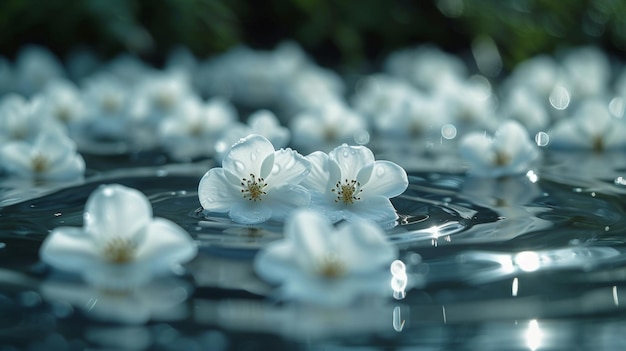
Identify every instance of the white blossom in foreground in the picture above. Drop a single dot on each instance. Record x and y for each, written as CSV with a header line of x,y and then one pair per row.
x,y
319,264
348,183
509,152
255,182
51,156
121,246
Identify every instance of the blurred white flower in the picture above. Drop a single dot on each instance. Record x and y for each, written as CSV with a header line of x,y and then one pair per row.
x,y
425,66
470,103
587,70
509,152
381,95
158,96
106,103
325,127
261,122
50,156
312,87
21,120
255,182
538,74
62,101
35,67
526,107
121,246
319,264
591,128
195,129
348,183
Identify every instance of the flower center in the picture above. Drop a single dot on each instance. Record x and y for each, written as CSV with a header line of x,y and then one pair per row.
x,y
39,164
331,267
347,192
253,188
502,158
64,114
598,144
119,250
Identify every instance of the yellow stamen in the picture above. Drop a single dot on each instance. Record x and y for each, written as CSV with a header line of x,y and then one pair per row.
x,y
347,192
119,250
253,188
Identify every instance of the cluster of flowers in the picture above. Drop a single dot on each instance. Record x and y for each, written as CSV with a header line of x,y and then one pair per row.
x,y
425,98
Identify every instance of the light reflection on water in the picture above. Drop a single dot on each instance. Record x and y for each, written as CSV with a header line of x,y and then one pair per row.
x,y
513,257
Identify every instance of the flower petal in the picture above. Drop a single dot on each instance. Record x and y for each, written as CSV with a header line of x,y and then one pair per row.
x,y
116,211
318,177
285,199
387,179
249,212
245,157
289,168
477,150
166,245
365,247
310,232
351,159
375,208
72,167
16,159
274,263
69,249
215,192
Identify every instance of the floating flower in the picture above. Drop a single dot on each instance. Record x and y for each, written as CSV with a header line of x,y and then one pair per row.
x,y
348,183
106,102
62,102
509,152
591,128
255,182
196,129
319,264
35,67
51,156
121,245
325,127
20,119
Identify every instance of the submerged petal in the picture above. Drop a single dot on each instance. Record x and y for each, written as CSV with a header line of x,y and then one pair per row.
x,y
311,234
249,212
246,156
116,211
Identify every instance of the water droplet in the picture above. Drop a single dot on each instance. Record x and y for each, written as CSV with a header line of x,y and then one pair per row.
x,y
559,98
3,245
276,169
542,138
361,137
620,181
380,171
607,228
210,199
253,157
345,153
240,166
448,131
578,190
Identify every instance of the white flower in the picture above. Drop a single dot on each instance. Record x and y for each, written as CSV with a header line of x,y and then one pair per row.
x,y
51,156
256,182
591,128
106,102
195,130
526,107
348,183
509,152
62,102
319,264
325,127
21,120
35,66
121,245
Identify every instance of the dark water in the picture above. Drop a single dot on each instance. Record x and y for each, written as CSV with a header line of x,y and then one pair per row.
x,y
535,262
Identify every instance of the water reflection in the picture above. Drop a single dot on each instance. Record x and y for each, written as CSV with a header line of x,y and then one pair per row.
x,y
161,299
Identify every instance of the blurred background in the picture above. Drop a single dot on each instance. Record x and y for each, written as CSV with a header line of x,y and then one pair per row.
x,y
347,33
